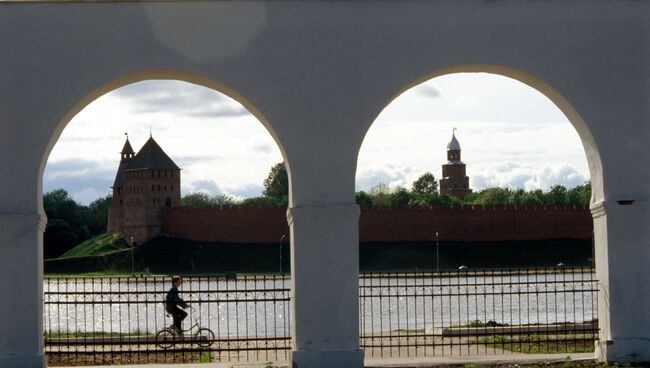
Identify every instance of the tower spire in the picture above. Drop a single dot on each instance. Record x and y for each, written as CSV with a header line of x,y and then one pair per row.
x,y
454,180
127,150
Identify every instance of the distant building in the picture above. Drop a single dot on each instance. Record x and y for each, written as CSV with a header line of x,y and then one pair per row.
x,y
454,181
145,183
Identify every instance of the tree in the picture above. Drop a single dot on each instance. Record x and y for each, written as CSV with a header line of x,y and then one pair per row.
x,y
580,195
380,195
557,195
59,237
425,184
59,205
224,200
200,199
493,196
363,199
380,188
400,197
276,184
263,202
67,223
197,199
97,215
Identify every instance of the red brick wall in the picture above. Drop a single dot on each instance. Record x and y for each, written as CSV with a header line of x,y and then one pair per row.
x,y
228,225
473,223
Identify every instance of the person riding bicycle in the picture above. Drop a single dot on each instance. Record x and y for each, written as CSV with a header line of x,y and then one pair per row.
x,y
173,300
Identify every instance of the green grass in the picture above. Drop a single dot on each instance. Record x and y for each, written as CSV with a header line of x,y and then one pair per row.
x,y
99,245
474,323
541,344
205,357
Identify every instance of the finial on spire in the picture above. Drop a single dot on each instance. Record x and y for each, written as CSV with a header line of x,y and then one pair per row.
x,y
150,133
453,144
127,135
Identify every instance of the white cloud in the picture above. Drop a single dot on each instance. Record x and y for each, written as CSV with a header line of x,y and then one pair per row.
x,y
513,175
427,90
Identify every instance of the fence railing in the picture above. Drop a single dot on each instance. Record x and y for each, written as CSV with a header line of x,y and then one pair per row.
x,y
118,320
478,312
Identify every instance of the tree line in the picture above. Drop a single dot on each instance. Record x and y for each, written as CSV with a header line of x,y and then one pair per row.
x,y
70,223
423,192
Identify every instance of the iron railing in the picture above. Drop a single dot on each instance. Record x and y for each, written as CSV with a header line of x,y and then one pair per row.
x,y
114,320
478,312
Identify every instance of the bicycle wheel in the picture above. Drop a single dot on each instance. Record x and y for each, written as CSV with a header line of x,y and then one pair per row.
x,y
204,337
165,339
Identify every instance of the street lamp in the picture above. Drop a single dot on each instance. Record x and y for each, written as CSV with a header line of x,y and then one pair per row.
x,y
132,265
282,238
437,255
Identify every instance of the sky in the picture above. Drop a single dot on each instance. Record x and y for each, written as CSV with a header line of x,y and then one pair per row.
x,y
510,135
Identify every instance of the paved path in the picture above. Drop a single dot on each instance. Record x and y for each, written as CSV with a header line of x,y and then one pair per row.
x,y
402,362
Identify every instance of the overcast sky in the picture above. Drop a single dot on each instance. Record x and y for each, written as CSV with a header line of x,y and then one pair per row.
x,y
510,135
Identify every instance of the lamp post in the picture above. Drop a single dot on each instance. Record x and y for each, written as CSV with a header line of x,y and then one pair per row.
x,y
132,265
282,238
437,255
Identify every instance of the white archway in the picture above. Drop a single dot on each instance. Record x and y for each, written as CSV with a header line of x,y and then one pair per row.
x,y
320,73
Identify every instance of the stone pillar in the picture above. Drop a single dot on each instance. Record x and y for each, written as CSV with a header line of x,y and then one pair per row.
x,y
622,230
21,304
325,286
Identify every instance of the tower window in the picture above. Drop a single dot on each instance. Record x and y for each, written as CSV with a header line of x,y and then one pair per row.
x,y
152,187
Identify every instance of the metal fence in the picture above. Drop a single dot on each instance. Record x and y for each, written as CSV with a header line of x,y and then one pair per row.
x,y
118,320
478,312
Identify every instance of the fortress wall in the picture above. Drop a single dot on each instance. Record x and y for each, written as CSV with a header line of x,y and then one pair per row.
x,y
468,224
475,223
227,225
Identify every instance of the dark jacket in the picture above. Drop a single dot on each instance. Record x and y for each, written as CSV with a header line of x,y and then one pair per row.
x,y
173,299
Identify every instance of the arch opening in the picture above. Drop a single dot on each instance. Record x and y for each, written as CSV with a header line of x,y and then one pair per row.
x,y
207,207
520,135
463,173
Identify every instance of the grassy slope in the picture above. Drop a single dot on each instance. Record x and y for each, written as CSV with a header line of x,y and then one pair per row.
x,y
100,245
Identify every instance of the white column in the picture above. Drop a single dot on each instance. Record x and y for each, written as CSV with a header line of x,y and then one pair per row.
x,y
325,286
21,280
622,233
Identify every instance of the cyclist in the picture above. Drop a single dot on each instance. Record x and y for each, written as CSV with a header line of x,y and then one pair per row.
x,y
173,301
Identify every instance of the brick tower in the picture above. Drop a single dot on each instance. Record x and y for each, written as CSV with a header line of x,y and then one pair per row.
x,y
145,183
454,181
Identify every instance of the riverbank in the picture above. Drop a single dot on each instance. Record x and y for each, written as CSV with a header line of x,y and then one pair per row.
x,y
168,255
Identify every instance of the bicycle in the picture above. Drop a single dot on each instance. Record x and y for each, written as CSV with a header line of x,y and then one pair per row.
x,y
168,336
